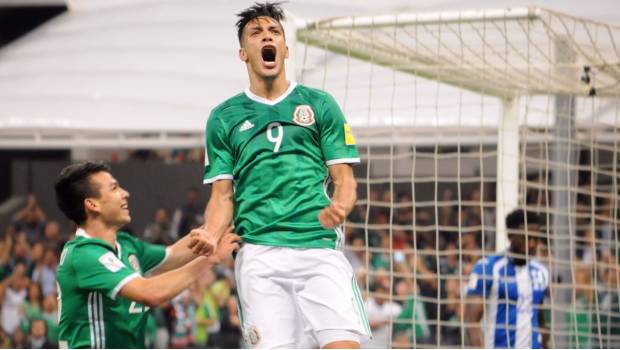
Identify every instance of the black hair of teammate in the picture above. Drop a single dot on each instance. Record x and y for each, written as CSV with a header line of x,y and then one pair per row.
x,y
73,186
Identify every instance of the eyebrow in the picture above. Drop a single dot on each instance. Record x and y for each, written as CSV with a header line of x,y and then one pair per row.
x,y
270,26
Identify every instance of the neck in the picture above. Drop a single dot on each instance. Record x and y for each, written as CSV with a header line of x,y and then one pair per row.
x,y
98,229
269,89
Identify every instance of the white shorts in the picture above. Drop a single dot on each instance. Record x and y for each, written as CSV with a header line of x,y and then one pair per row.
x,y
297,298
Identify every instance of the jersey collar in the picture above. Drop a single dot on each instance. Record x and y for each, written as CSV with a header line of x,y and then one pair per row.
x,y
82,233
256,98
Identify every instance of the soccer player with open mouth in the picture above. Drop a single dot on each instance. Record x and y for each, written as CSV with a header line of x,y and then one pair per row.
x,y
282,144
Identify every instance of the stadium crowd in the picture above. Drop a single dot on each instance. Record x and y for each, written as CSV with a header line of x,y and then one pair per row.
x,y
412,263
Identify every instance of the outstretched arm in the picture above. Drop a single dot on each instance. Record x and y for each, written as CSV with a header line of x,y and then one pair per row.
x,y
345,195
180,252
157,290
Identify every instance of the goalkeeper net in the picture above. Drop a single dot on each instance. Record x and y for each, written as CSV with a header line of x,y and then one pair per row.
x,y
462,117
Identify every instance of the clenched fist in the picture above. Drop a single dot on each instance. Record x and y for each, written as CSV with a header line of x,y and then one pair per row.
x,y
332,216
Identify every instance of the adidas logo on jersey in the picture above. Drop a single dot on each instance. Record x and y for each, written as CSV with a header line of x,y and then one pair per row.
x,y
245,126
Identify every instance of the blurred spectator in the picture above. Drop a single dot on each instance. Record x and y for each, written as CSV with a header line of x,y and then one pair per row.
x,y
38,336
162,336
31,220
35,259
50,315
32,308
183,321
207,311
160,230
189,215
229,336
356,254
45,273
13,293
609,305
21,252
411,325
580,313
53,239
381,312
451,314
19,340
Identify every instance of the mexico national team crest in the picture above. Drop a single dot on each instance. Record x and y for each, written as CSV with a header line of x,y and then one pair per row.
x,y
303,115
133,261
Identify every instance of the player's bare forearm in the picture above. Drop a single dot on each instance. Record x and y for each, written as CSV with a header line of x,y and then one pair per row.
x,y
218,217
159,289
154,291
473,315
344,198
179,254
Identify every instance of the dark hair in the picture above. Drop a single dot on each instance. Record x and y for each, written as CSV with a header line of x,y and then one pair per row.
x,y
73,186
267,9
520,217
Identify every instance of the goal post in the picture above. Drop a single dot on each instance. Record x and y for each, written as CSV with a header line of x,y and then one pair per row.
x,y
462,117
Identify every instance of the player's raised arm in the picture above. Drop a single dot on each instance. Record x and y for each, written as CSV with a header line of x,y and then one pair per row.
x,y
345,195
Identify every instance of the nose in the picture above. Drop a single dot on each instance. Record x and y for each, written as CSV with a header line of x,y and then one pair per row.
x,y
125,194
267,36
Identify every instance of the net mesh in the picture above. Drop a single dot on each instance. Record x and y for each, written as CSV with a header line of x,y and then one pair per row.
x,y
429,96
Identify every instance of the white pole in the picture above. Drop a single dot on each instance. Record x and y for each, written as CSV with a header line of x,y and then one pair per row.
x,y
507,168
291,24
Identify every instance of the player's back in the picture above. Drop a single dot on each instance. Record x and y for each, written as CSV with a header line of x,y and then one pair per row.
x,y
513,295
91,313
276,152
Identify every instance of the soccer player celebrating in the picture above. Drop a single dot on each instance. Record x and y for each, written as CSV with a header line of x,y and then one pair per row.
x,y
281,144
103,296
513,285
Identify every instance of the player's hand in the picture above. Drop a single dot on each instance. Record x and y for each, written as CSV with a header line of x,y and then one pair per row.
x,y
332,216
228,244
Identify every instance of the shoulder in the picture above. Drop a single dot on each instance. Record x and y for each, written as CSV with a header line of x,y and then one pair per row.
x,y
312,93
221,109
538,266
85,249
123,237
488,263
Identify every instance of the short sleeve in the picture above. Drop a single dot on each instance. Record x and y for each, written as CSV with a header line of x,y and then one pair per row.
x,y
218,154
337,141
150,256
98,268
480,279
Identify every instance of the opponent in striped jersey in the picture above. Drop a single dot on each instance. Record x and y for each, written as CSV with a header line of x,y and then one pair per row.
x,y
513,286
103,296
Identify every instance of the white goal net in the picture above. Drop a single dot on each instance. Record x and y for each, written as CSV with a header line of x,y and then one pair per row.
x,y
462,117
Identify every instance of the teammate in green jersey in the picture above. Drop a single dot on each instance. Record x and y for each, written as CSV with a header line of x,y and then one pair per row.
x,y
102,292
280,144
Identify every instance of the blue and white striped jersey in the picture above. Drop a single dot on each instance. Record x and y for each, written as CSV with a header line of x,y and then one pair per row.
x,y
513,295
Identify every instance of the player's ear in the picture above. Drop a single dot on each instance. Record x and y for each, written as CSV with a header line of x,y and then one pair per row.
x,y
286,52
91,204
243,55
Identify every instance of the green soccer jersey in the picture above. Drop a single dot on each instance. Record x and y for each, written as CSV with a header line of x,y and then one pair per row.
x,y
90,275
277,153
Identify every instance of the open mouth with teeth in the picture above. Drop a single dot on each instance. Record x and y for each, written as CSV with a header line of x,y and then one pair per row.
x,y
268,53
